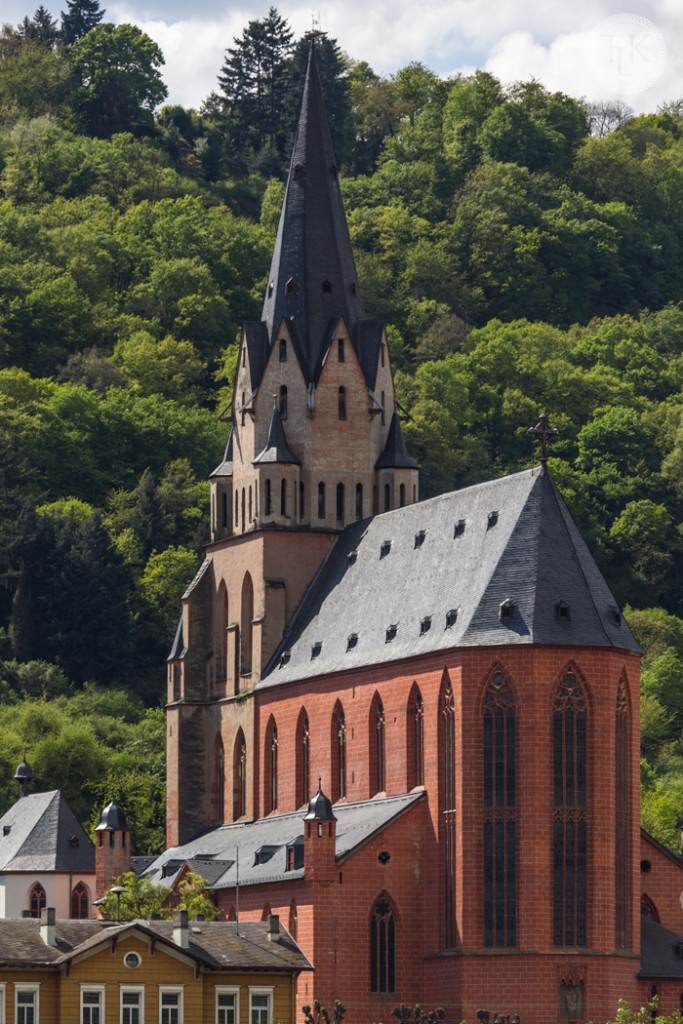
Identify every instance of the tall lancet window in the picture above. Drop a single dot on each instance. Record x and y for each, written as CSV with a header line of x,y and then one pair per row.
x,y
218,781
569,813
303,760
338,753
415,738
239,777
377,750
447,765
622,849
271,772
500,844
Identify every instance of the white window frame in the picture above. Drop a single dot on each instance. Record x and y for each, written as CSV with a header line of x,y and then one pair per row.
x,y
3,989
229,990
171,990
127,990
100,990
22,987
261,990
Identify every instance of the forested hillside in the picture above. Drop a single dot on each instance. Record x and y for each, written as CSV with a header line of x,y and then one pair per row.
x,y
524,249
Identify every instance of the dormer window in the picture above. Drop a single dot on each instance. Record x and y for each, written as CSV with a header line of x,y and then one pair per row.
x,y
420,538
283,350
563,612
351,557
385,548
390,633
271,287
425,624
316,649
289,286
493,519
459,528
297,169
507,609
451,617
327,287
351,641
285,658
615,615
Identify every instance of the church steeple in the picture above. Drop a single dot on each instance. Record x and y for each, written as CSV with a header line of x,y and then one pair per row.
x,y
313,278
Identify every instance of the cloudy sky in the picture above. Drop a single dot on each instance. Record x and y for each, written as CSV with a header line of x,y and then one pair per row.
x,y
598,50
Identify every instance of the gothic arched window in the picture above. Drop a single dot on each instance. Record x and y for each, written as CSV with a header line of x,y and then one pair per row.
x,y
387,498
221,637
268,499
283,497
377,747
246,626
383,947
415,739
239,776
447,771
340,503
218,781
321,500
293,927
303,760
271,768
80,901
338,753
569,813
342,403
282,404
359,501
37,901
623,818
500,841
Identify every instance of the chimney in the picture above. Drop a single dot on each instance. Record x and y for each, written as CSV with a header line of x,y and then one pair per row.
x,y
181,932
47,926
273,927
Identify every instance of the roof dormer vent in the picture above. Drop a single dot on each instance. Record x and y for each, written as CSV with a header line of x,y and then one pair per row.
x,y
459,528
451,617
385,548
420,538
316,649
425,624
493,519
507,609
351,641
391,633
284,658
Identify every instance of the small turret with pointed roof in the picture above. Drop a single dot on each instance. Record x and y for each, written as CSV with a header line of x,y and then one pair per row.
x,y
276,449
320,839
112,847
23,775
320,807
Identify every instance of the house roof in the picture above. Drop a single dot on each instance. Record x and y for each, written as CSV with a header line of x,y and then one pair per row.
x,y
395,454
216,945
313,276
224,468
440,572
254,852
661,951
40,833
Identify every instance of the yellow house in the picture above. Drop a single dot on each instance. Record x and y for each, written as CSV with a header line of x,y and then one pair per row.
x,y
147,972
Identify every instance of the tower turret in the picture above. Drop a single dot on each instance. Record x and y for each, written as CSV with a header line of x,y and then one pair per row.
x,y
112,847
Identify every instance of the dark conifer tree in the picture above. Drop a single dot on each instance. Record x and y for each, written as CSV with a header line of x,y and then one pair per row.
x,y
41,28
79,17
254,82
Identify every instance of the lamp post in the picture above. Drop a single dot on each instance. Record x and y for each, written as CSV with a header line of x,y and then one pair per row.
x,y
117,890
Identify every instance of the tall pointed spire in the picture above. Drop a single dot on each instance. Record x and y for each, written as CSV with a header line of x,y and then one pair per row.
x,y
313,278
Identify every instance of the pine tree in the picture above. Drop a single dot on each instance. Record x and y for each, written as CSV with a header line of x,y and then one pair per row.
x,y
41,28
254,81
79,17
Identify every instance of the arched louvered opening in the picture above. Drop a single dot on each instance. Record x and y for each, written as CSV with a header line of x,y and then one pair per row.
x,y
415,738
218,789
246,626
239,777
377,727
338,753
270,771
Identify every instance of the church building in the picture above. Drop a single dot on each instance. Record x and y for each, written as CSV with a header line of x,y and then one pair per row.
x,y
409,728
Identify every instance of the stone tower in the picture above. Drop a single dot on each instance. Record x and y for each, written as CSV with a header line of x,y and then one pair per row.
x,y
316,444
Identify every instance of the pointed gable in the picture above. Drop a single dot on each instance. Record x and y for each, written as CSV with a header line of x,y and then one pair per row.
x,y
276,448
395,454
313,274
40,833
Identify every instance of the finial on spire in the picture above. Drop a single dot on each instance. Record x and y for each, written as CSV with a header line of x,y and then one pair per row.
x,y
544,432
315,29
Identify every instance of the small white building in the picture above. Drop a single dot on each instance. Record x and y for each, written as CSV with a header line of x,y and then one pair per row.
x,y
46,858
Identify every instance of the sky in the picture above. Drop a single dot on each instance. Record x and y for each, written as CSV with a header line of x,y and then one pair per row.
x,y
596,50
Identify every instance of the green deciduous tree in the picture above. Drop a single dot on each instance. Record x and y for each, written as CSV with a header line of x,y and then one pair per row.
x,y
118,69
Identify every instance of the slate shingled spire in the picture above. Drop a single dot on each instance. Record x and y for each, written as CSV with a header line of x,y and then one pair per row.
x,y
313,276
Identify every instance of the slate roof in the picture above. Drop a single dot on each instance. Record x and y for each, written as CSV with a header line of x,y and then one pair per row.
x,y
661,951
276,447
216,945
42,828
263,843
224,468
517,543
395,454
313,276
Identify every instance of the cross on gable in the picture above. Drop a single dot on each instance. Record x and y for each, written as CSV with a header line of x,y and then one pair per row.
x,y
544,432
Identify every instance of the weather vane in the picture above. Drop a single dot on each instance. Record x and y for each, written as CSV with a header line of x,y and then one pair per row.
x,y
544,432
315,27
